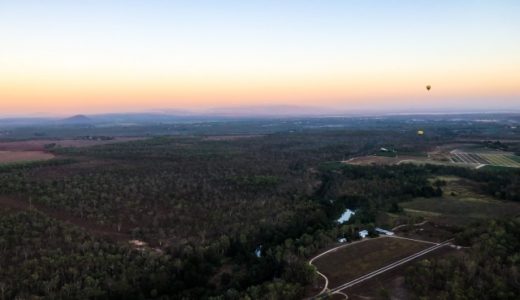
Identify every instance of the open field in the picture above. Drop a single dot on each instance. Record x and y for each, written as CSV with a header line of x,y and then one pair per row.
x,y
453,211
465,156
392,283
371,160
386,160
231,137
493,159
427,231
459,205
23,156
40,145
355,260
474,155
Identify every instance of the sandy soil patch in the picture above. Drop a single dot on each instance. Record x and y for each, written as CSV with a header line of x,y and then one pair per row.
x,y
371,160
23,156
384,160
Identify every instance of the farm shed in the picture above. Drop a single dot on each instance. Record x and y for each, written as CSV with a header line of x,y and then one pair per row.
x,y
363,234
385,232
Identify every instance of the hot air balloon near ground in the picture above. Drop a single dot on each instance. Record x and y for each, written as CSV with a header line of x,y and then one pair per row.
x,y
428,87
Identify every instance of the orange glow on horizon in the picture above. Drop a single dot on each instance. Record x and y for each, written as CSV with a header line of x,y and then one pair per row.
x,y
345,54
88,93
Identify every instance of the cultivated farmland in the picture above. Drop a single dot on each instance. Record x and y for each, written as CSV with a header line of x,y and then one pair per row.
x,y
485,158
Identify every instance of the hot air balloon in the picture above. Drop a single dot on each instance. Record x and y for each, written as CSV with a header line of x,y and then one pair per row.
x,y
428,87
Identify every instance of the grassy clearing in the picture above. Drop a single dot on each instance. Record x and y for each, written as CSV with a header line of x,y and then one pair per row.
x,y
423,213
387,160
416,154
448,178
459,212
371,160
421,161
460,205
386,219
496,168
428,231
358,259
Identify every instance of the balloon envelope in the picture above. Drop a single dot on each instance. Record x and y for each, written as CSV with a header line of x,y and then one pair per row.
x,y
428,87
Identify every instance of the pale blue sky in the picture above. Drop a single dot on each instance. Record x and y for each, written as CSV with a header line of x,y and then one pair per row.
x,y
264,48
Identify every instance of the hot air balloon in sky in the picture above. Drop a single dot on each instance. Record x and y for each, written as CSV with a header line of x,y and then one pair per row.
x,y
428,87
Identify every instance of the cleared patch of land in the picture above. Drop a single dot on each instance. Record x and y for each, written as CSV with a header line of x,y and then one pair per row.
x,y
371,160
391,284
230,137
450,210
474,155
385,160
485,158
353,261
459,205
465,155
427,231
40,145
7,157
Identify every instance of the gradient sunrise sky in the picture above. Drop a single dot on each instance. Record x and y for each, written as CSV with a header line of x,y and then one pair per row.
x,y
92,56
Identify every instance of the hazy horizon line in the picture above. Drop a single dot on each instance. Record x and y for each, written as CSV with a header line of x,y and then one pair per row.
x,y
281,110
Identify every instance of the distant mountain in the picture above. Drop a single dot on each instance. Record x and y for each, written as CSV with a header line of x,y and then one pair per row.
x,y
77,119
241,113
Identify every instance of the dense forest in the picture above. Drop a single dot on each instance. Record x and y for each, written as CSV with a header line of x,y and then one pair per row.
x,y
489,270
199,217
